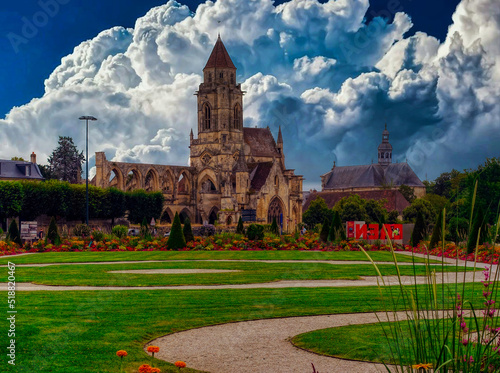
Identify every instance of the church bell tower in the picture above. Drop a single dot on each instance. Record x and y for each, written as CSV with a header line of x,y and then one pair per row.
x,y
385,149
220,100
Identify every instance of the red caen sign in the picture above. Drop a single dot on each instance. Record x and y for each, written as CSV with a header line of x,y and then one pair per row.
x,y
361,231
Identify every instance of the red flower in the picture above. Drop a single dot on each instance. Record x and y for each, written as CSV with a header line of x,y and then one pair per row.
x,y
145,368
153,349
180,364
121,353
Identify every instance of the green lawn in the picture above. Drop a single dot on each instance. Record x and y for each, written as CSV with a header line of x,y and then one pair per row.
x,y
70,257
79,332
248,272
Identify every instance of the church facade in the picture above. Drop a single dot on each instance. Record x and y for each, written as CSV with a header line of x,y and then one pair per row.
x,y
234,171
379,181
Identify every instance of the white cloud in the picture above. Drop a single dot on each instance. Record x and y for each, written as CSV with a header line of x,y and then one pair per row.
x,y
318,70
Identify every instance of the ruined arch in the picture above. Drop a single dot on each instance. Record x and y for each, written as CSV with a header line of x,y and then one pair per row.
x,y
167,216
184,183
133,180
275,210
151,181
167,182
115,178
207,181
185,213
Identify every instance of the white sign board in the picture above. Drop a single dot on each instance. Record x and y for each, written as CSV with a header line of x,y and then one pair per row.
x,y
29,230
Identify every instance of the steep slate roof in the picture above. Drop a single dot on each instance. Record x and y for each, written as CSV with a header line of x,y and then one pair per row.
x,y
259,172
395,200
17,170
261,142
373,175
219,57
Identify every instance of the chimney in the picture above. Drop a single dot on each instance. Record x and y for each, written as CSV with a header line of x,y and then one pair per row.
x,y
33,157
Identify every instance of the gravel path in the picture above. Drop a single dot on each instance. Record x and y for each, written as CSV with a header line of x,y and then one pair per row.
x,y
261,346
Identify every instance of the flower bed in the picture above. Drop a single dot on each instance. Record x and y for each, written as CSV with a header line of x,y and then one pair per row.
x,y
237,242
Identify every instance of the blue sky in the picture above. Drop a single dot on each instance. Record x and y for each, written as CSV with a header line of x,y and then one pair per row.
x,y
331,74
23,68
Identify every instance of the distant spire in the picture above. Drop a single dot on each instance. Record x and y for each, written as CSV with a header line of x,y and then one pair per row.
x,y
280,136
191,134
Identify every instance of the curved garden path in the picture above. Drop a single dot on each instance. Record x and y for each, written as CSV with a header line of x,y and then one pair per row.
x,y
262,346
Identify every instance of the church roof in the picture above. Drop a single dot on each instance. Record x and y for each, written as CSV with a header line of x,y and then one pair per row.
x,y
373,175
17,170
394,199
259,172
261,142
219,57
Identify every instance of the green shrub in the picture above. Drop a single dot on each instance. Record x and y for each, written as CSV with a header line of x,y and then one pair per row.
x,y
13,233
98,236
81,230
176,239
255,232
337,231
53,233
188,232
418,233
457,229
325,230
240,229
437,231
119,231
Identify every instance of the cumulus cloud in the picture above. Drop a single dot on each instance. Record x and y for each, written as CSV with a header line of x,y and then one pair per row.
x,y
319,70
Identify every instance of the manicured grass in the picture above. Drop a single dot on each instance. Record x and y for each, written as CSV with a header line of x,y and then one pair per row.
x,y
72,257
248,272
80,332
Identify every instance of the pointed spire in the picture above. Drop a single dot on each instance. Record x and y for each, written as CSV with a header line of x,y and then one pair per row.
x,y
280,136
219,57
241,165
191,134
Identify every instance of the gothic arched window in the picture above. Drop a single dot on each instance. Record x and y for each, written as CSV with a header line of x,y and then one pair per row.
x,y
207,116
237,116
381,155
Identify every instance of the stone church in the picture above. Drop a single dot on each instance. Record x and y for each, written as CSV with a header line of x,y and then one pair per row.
x,y
379,181
234,171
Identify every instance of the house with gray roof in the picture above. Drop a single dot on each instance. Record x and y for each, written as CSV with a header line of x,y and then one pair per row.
x,y
20,170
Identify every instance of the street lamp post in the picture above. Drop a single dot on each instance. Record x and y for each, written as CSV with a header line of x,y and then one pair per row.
x,y
86,119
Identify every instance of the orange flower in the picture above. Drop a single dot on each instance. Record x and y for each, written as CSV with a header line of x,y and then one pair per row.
x,y
422,366
153,349
180,364
155,370
121,353
145,368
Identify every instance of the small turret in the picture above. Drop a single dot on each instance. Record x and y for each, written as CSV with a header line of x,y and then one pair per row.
x,y
385,149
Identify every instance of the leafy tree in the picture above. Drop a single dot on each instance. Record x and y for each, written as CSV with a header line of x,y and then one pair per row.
x,y
240,229
52,233
65,161
353,211
479,228
188,232
18,159
47,172
317,212
419,230
407,192
325,230
115,204
392,217
144,205
13,233
176,240
424,207
437,232
274,227
375,211
438,202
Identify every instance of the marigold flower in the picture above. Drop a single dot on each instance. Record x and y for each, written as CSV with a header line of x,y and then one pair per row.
x,y
155,370
180,364
424,366
145,368
121,353
153,349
